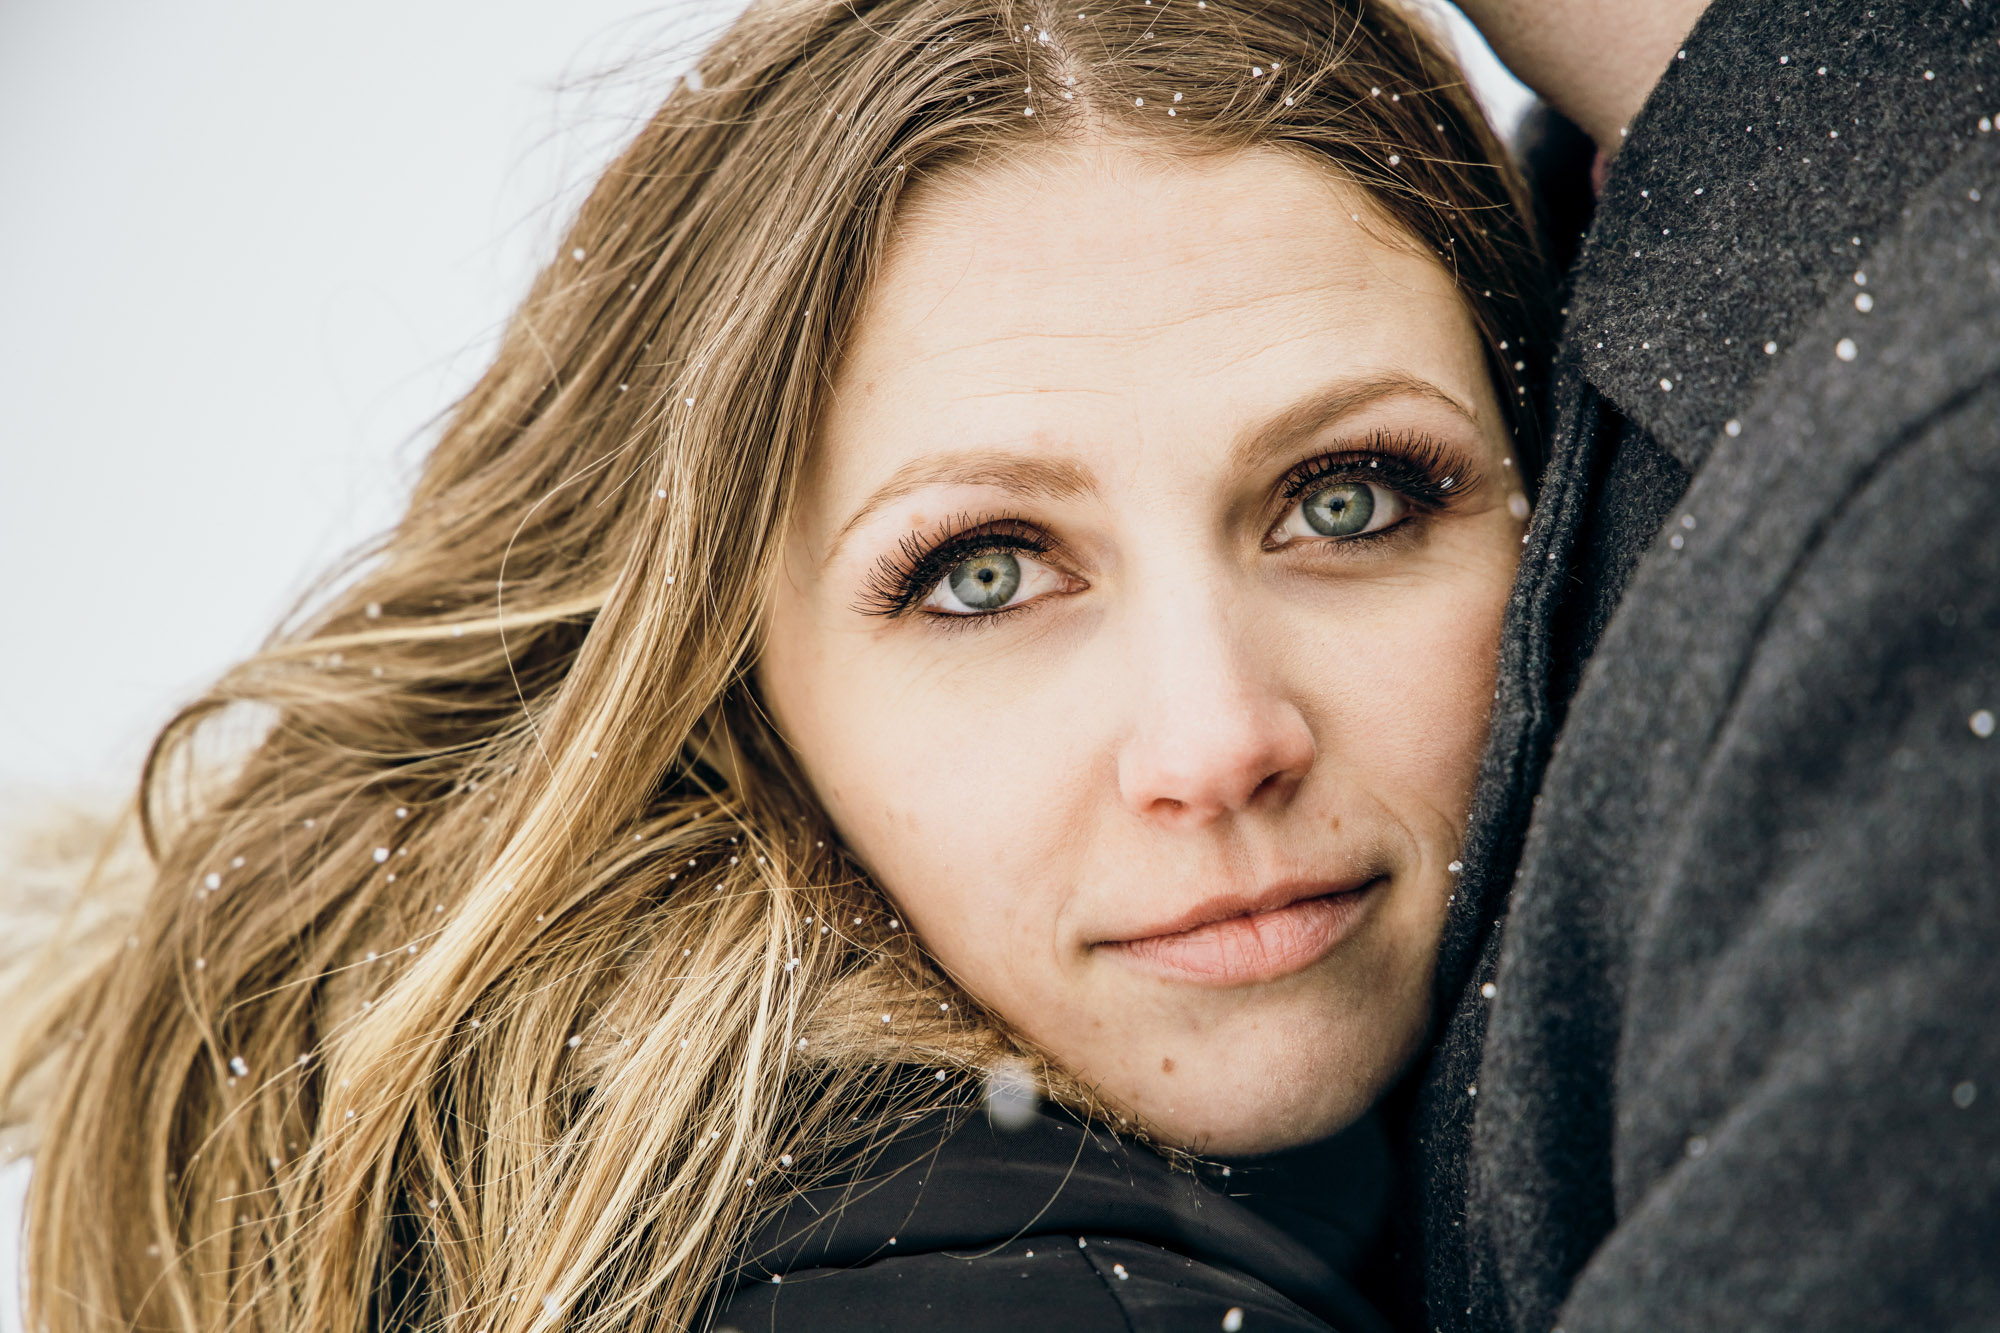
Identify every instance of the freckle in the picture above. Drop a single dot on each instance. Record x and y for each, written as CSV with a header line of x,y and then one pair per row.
x,y
1166,1066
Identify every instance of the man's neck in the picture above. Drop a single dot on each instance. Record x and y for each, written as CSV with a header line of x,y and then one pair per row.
x,y
1596,61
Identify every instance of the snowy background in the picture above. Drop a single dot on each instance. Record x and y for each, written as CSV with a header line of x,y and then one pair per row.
x,y
248,252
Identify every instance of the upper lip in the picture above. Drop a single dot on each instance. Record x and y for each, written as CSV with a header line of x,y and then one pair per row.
x,y
1224,906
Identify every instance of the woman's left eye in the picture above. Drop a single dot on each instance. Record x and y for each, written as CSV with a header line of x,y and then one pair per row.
x,y
991,581
1342,509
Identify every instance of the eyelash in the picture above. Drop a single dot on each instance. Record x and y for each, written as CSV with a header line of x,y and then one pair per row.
x,y
1416,467
906,576
1419,468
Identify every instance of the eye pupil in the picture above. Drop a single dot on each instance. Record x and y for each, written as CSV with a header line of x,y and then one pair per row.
x,y
1340,511
986,582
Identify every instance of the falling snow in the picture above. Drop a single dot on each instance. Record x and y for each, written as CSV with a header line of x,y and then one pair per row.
x,y
1011,1095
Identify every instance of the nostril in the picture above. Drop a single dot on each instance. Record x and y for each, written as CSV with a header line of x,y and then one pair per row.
x,y
1271,782
1186,765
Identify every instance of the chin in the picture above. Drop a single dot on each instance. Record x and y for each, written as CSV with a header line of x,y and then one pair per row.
x,y
1226,1115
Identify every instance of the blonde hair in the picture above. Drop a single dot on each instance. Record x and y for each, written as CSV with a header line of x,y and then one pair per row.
x,y
509,969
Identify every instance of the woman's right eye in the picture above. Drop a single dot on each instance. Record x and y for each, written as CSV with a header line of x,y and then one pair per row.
x,y
991,581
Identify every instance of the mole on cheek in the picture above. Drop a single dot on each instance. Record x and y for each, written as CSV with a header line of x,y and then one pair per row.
x,y
1166,1066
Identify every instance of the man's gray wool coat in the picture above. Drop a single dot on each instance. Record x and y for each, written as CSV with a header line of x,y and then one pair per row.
x,y
1725,1053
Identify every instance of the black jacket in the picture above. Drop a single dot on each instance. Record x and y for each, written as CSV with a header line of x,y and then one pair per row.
x,y
958,1225
1733,1059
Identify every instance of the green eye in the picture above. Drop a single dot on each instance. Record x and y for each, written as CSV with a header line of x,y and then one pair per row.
x,y
1341,510
986,582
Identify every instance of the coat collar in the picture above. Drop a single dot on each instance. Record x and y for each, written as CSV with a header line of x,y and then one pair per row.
x,y
1780,143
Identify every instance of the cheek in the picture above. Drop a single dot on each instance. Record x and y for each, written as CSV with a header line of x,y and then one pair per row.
x,y
1450,680
952,785
1409,696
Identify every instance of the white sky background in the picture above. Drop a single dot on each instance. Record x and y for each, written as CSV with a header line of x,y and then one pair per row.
x,y
248,251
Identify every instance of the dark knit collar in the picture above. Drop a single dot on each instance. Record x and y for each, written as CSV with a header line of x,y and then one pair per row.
x,y
1779,144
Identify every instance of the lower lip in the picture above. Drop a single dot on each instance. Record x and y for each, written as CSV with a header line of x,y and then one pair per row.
x,y
1260,946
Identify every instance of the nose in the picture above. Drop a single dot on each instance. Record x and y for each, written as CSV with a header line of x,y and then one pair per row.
x,y
1211,732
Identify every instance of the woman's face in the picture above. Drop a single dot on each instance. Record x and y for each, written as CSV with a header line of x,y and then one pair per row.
x,y
1138,625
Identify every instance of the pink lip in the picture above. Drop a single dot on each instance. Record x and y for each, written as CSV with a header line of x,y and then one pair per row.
x,y
1235,941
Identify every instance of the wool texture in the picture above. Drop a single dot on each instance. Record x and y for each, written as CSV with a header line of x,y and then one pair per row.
x,y
1733,873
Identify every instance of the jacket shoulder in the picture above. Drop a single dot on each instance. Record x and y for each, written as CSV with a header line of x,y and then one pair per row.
x,y
1080,1284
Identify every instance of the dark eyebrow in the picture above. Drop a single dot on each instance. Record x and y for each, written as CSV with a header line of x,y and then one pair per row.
x,y
1065,478
1042,478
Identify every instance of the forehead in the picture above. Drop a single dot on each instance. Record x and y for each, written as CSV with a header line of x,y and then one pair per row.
x,y
1090,291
